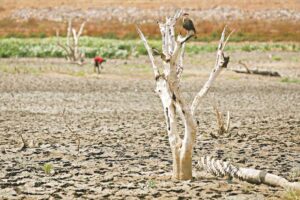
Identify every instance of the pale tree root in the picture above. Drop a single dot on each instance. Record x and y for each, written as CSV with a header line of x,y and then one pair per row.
x,y
222,169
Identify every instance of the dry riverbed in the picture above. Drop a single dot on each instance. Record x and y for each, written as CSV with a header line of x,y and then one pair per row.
x,y
118,119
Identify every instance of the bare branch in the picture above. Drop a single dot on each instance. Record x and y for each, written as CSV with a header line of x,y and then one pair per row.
x,y
162,28
255,71
71,130
228,122
221,62
171,26
24,143
150,53
172,48
66,48
245,66
180,41
167,30
81,29
180,62
69,30
167,36
176,16
75,39
224,45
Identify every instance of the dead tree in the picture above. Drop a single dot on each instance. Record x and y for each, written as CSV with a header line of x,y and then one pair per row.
x,y
168,89
71,48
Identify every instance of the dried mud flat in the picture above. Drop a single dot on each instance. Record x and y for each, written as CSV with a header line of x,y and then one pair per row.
x,y
124,150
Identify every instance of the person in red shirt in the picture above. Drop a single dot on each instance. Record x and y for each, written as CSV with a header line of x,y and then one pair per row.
x,y
98,63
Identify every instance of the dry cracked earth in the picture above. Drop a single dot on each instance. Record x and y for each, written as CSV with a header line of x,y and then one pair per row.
x,y
124,152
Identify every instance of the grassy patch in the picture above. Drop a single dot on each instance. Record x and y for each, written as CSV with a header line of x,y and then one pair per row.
x,y
20,69
276,58
290,80
48,168
291,195
44,69
115,48
151,184
80,73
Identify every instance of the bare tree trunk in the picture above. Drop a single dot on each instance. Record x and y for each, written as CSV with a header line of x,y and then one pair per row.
x,y
168,89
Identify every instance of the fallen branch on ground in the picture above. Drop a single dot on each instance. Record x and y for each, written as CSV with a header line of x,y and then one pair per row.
x,y
255,71
222,169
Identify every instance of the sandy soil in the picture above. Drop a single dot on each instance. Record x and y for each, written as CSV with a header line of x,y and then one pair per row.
x,y
124,150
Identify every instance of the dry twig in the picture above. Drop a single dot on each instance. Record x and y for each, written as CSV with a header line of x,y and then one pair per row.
x,y
222,129
24,143
74,134
255,71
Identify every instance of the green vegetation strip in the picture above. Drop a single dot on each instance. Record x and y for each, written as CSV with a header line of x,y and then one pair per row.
x,y
114,48
290,80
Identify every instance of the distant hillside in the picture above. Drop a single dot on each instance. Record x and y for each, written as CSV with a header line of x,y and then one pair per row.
x,y
258,20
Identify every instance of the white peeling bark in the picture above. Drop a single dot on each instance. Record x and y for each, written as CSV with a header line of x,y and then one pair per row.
x,y
168,89
220,168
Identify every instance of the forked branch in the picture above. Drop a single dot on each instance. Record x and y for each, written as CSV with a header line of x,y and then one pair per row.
x,y
221,63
